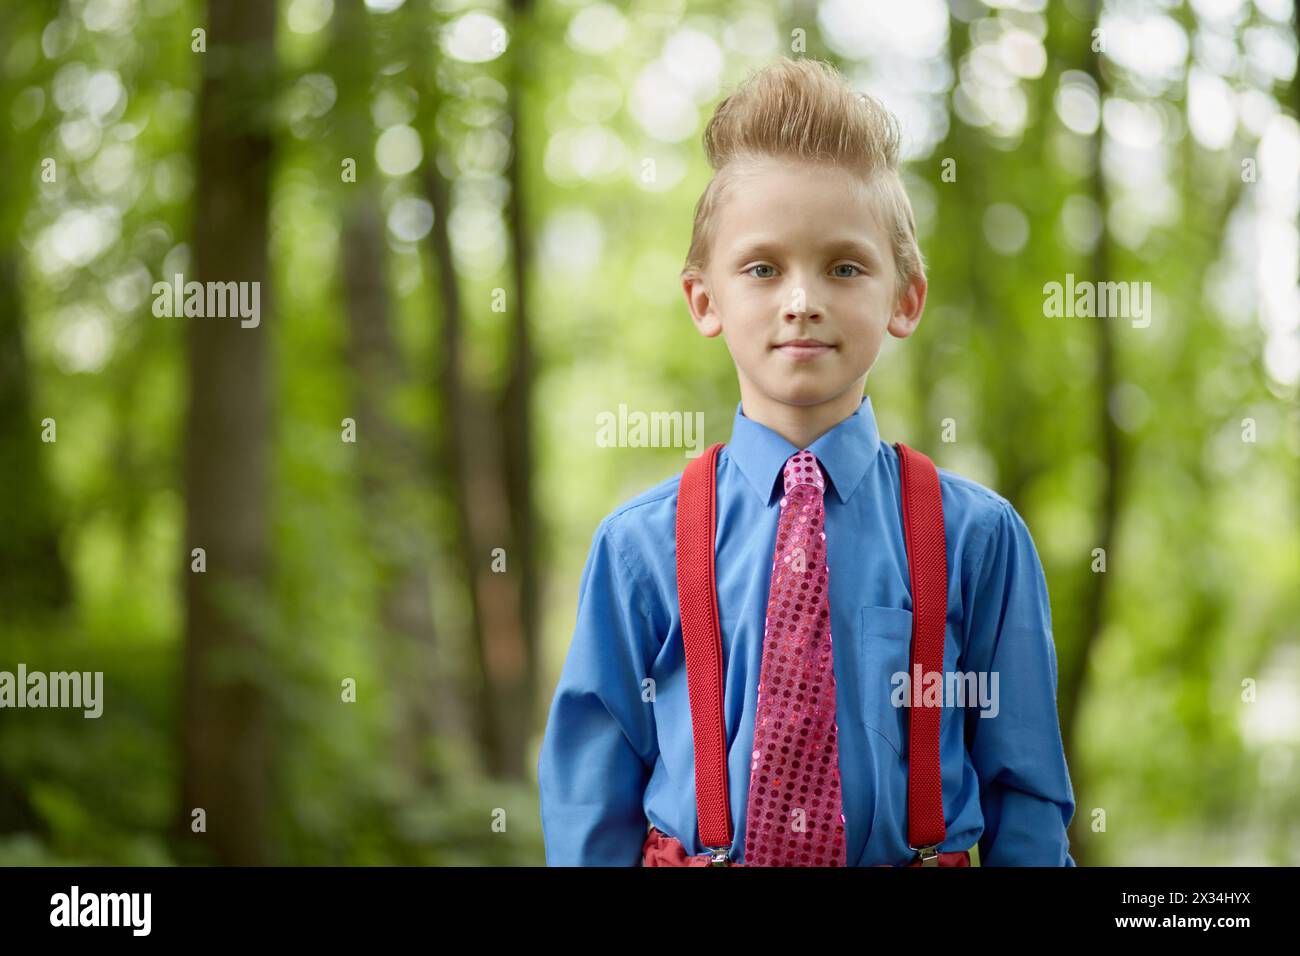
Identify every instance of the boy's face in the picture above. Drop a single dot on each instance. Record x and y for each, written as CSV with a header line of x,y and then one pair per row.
x,y
801,283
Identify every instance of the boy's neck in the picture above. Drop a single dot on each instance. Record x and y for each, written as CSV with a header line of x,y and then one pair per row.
x,y
800,425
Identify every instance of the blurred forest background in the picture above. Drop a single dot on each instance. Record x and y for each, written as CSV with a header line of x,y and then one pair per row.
x,y
468,222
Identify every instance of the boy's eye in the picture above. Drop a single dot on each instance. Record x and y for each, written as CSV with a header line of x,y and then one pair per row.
x,y
751,271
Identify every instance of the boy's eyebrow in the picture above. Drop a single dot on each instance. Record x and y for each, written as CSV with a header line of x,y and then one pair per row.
x,y
763,244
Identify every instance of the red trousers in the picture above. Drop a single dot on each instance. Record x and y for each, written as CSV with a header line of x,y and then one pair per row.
x,y
662,850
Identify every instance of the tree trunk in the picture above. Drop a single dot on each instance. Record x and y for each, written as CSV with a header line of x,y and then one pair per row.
x,y
226,730
473,489
33,577
519,685
470,446
1095,592
387,453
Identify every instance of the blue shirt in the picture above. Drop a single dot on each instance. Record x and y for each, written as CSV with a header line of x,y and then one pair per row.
x,y
618,752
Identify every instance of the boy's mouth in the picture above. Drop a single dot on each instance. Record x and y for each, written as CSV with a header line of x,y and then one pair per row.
x,y
803,349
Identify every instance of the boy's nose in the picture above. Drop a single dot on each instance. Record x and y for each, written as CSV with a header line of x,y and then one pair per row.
x,y
800,304
796,309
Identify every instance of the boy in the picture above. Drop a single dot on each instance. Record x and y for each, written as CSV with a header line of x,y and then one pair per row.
x,y
803,255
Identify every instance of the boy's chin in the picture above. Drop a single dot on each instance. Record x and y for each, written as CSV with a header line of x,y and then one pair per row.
x,y
804,395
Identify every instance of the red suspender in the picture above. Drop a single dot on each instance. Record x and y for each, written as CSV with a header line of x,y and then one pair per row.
x,y
697,600
698,605
927,562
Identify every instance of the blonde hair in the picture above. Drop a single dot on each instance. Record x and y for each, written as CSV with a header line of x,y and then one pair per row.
x,y
804,109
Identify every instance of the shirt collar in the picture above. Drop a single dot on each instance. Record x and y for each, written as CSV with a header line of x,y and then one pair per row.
x,y
845,451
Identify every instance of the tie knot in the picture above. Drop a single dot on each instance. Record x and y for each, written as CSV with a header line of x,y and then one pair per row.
x,y
802,469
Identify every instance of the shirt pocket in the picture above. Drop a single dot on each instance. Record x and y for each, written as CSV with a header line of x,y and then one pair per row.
x,y
886,651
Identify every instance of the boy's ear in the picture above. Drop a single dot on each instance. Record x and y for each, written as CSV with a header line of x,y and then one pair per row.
x,y
907,311
703,312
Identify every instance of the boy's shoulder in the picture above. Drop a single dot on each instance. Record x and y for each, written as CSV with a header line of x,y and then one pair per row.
x,y
975,517
637,530
977,514
664,491
651,512
963,497
980,501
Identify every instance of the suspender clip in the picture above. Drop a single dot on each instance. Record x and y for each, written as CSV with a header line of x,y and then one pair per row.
x,y
929,855
721,856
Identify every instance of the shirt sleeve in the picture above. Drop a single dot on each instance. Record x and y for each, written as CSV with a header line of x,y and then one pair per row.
x,y
1015,744
600,745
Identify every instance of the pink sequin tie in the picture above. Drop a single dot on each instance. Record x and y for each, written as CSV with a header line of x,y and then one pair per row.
x,y
795,817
